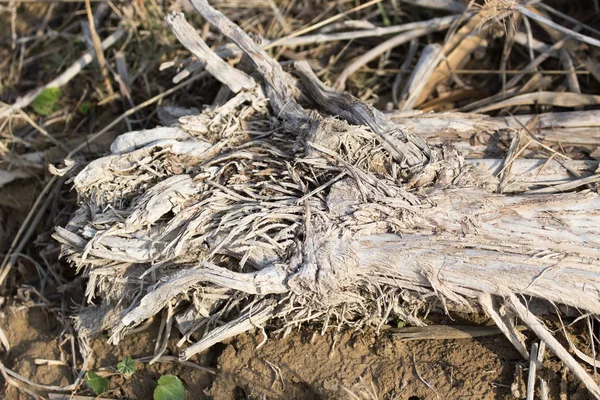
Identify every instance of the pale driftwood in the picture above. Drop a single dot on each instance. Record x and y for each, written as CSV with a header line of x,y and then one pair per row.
x,y
287,214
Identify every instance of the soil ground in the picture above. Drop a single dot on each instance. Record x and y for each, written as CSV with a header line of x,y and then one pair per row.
x,y
303,365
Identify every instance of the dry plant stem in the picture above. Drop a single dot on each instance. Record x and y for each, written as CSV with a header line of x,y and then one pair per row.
x,y
430,58
529,174
567,128
558,99
435,25
277,89
448,5
129,112
320,24
98,48
532,371
235,79
536,62
407,149
544,334
535,83
319,38
19,378
252,318
487,303
571,33
42,130
412,51
457,51
567,63
65,77
531,43
486,267
568,17
28,227
365,33
567,186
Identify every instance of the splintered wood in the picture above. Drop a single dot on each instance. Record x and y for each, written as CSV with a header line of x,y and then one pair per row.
x,y
272,210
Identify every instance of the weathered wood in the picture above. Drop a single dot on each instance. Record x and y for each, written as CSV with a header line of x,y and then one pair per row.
x,y
542,246
408,149
235,79
263,210
565,128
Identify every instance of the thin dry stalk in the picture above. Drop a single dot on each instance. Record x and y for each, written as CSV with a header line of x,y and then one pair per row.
x,y
98,48
63,78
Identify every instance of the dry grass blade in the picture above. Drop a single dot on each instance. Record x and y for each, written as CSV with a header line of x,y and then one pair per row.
x,y
98,48
429,60
63,78
544,334
570,33
364,33
433,25
322,23
557,99
457,51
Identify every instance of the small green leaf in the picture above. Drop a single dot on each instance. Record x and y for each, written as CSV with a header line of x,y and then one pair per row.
x,y
84,108
47,101
98,384
169,388
400,324
126,367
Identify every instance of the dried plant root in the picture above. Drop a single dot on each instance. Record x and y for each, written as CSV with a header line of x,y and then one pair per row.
x,y
268,211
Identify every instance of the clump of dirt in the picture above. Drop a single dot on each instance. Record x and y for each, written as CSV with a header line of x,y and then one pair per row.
x,y
33,334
